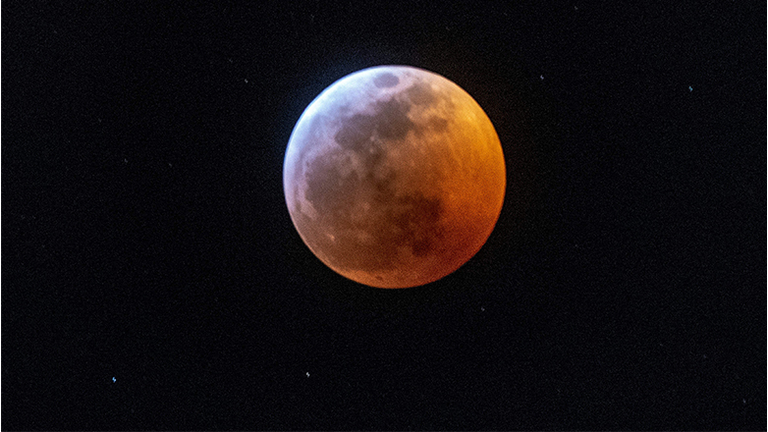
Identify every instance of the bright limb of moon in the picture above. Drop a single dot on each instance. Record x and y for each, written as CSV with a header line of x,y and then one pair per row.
x,y
394,177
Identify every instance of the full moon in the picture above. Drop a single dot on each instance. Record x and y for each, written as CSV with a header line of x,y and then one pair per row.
x,y
394,177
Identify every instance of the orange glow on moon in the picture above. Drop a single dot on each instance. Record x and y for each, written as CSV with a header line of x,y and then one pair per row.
x,y
394,177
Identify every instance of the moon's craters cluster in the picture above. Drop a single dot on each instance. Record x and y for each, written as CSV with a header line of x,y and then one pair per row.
x,y
389,122
367,220
366,211
386,80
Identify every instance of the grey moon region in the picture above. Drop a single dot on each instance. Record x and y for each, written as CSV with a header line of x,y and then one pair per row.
x,y
394,177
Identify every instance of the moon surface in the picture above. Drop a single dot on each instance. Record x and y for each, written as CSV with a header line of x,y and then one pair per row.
x,y
394,177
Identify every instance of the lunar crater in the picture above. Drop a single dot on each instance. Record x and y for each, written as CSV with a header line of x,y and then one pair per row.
x,y
373,207
421,94
386,80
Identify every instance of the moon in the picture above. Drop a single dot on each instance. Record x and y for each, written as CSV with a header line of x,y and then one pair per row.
x,y
394,177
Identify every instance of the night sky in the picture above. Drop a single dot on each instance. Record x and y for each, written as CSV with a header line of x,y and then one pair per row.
x,y
152,278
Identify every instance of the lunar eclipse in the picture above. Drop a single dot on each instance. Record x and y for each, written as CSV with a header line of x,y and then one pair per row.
x,y
394,177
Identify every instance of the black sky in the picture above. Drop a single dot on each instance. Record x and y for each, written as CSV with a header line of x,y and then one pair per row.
x,y
146,238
